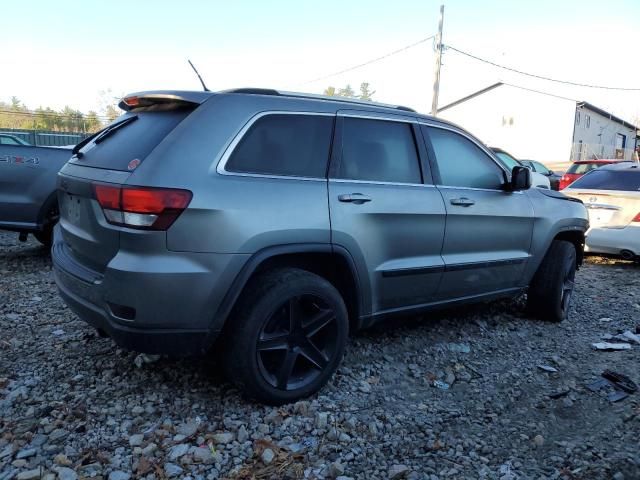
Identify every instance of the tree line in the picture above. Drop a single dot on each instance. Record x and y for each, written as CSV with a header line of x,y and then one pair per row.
x,y
15,114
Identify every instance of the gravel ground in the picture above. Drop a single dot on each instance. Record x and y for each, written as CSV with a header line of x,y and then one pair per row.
x,y
73,405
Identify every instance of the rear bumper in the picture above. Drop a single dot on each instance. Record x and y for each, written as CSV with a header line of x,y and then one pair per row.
x,y
170,342
612,241
160,302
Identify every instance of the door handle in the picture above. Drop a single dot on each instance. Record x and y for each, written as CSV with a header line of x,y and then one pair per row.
x,y
462,202
357,198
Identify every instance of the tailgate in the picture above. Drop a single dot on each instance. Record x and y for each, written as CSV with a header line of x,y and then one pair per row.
x,y
86,235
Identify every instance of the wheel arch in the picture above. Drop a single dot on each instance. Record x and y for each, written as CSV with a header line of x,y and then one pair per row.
x,y
47,205
333,263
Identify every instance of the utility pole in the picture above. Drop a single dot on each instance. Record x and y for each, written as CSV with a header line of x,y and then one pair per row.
x,y
436,78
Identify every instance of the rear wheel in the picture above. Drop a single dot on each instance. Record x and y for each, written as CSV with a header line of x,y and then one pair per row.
x,y
287,337
551,289
45,236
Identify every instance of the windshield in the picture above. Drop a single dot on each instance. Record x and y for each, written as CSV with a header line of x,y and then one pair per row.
x,y
538,167
508,160
625,180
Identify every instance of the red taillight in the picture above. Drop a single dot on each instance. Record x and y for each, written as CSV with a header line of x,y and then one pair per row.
x,y
131,101
141,207
636,218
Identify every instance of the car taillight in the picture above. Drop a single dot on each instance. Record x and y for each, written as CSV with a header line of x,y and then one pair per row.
x,y
564,181
636,218
141,207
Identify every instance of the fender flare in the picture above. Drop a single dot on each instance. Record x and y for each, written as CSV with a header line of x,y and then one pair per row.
x,y
250,267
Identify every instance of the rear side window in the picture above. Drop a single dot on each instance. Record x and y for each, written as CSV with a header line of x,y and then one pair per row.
x,y
462,163
8,141
134,140
378,151
627,180
582,168
282,144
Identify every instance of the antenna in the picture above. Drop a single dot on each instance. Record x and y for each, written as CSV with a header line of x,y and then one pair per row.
x,y
199,77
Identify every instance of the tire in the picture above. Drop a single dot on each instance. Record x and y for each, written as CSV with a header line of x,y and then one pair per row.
x,y
45,237
550,291
269,359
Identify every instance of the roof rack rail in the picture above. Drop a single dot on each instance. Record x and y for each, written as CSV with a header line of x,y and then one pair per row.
x,y
313,96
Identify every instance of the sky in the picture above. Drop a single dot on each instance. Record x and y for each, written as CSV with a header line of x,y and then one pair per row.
x,y
72,52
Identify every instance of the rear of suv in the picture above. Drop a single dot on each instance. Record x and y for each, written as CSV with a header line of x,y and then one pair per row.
x,y
268,226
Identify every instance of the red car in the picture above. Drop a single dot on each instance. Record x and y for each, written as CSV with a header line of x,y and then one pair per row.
x,y
579,168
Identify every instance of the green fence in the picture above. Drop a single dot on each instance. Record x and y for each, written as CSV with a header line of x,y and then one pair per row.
x,y
46,138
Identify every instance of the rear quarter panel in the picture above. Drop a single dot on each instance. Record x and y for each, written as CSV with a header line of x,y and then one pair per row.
x,y
27,180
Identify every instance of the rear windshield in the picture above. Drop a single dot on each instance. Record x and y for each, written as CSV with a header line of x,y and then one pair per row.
x,y
627,180
582,168
132,141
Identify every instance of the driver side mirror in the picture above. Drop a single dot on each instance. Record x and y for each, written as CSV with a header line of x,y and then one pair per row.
x,y
520,179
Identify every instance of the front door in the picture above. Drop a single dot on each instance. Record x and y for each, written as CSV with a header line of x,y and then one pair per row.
x,y
383,213
488,230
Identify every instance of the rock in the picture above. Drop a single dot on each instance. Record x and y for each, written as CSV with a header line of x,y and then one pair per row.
x,y
459,347
119,475
137,410
321,420
397,472
538,440
336,469
30,474
223,438
149,449
618,476
65,473
136,440
58,434
178,451
267,456
172,470
364,387
242,435
203,455
26,453
62,459
6,451
342,477
188,429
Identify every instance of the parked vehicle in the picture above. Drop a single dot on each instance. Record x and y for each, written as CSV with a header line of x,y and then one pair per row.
x,y
581,167
280,222
554,178
612,197
8,139
28,200
539,180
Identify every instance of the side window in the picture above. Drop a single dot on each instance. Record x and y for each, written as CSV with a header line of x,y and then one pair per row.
x,y
285,144
8,141
378,151
461,163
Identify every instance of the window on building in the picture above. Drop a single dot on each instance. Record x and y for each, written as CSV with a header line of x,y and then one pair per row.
x,y
288,145
577,118
379,151
621,141
462,163
587,119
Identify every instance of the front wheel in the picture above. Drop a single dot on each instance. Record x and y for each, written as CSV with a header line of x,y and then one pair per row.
x,y
551,289
287,337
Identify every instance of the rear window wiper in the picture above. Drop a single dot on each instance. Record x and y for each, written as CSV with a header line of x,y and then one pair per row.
x,y
101,135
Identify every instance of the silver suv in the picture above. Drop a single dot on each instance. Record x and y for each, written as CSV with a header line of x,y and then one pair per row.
x,y
270,225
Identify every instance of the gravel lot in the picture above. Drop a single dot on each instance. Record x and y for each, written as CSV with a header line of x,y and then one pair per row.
x,y
73,405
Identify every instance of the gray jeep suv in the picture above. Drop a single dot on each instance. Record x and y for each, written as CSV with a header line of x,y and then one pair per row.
x,y
270,225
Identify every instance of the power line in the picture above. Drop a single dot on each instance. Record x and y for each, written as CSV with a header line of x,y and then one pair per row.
x,y
395,52
540,77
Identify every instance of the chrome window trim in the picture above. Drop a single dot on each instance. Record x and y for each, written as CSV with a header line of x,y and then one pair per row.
x,y
383,116
372,182
473,189
222,164
482,147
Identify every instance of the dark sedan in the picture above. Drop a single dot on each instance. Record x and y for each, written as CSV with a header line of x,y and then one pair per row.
x,y
554,178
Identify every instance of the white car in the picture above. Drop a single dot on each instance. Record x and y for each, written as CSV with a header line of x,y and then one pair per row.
x,y
612,197
537,179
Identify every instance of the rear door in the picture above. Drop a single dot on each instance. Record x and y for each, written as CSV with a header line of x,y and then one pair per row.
x,y
488,230
384,208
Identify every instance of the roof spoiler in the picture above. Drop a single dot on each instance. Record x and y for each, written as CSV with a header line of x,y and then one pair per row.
x,y
162,98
